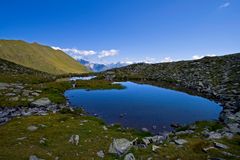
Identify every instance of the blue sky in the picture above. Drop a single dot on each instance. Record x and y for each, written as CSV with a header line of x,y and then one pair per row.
x,y
126,30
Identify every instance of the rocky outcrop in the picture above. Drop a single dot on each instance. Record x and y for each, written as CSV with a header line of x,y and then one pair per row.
x,y
216,78
7,113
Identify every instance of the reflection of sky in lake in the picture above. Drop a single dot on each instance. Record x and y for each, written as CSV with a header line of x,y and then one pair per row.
x,y
144,105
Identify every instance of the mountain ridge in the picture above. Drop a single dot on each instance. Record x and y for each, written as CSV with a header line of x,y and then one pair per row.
x,y
39,57
98,67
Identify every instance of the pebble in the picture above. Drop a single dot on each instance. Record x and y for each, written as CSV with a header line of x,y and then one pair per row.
x,y
100,154
32,128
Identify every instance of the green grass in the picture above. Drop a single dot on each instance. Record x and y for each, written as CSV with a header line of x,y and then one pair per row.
x,y
39,57
54,90
58,128
97,84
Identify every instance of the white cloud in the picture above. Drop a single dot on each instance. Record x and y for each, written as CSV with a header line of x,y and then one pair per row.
x,y
201,56
75,53
167,59
224,5
108,53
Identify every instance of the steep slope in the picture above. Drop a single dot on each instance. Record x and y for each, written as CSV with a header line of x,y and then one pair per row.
x,y
39,57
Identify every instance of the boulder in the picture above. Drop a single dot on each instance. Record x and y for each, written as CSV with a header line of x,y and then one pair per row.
x,y
34,157
145,130
154,148
220,145
74,139
213,135
100,154
41,102
234,127
129,156
4,86
120,146
180,141
32,128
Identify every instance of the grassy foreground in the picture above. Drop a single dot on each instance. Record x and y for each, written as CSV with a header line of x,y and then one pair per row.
x,y
20,143
97,84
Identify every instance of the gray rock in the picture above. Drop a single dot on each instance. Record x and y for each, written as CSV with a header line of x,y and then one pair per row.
x,y
154,148
145,130
208,148
30,99
184,132
14,99
214,135
228,135
100,154
34,157
4,86
10,94
146,141
105,128
74,139
220,145
32,128
129,156
180,141
21,138
234,127
43,140
35,94
120,146
41,102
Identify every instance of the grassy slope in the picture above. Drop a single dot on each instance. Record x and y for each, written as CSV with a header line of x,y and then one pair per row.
x,y
58,128
13,73
39,57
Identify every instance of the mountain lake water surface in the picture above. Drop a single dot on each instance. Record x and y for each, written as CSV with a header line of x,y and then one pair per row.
x,y
144,106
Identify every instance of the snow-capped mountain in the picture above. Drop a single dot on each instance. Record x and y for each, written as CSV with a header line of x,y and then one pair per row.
x,y
97,67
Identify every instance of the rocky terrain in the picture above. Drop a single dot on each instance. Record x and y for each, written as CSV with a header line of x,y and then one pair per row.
x,y
217,78
37,123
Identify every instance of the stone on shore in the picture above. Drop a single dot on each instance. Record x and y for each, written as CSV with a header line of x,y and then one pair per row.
x,y
220,145
180,141
41,102
129,156
120,146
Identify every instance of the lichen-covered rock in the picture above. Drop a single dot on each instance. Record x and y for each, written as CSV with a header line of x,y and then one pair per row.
x,y
41,102
74,139
120,146
100,154
129,156
180,141
32,128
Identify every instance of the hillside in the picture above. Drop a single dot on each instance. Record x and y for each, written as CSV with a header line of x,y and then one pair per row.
x,y
217,78
11,72
39,57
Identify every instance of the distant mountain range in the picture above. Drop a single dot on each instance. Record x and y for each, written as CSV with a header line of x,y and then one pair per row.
x,y
97,67
39,57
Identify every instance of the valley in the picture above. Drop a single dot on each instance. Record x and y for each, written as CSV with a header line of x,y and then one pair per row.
x,y
38,122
